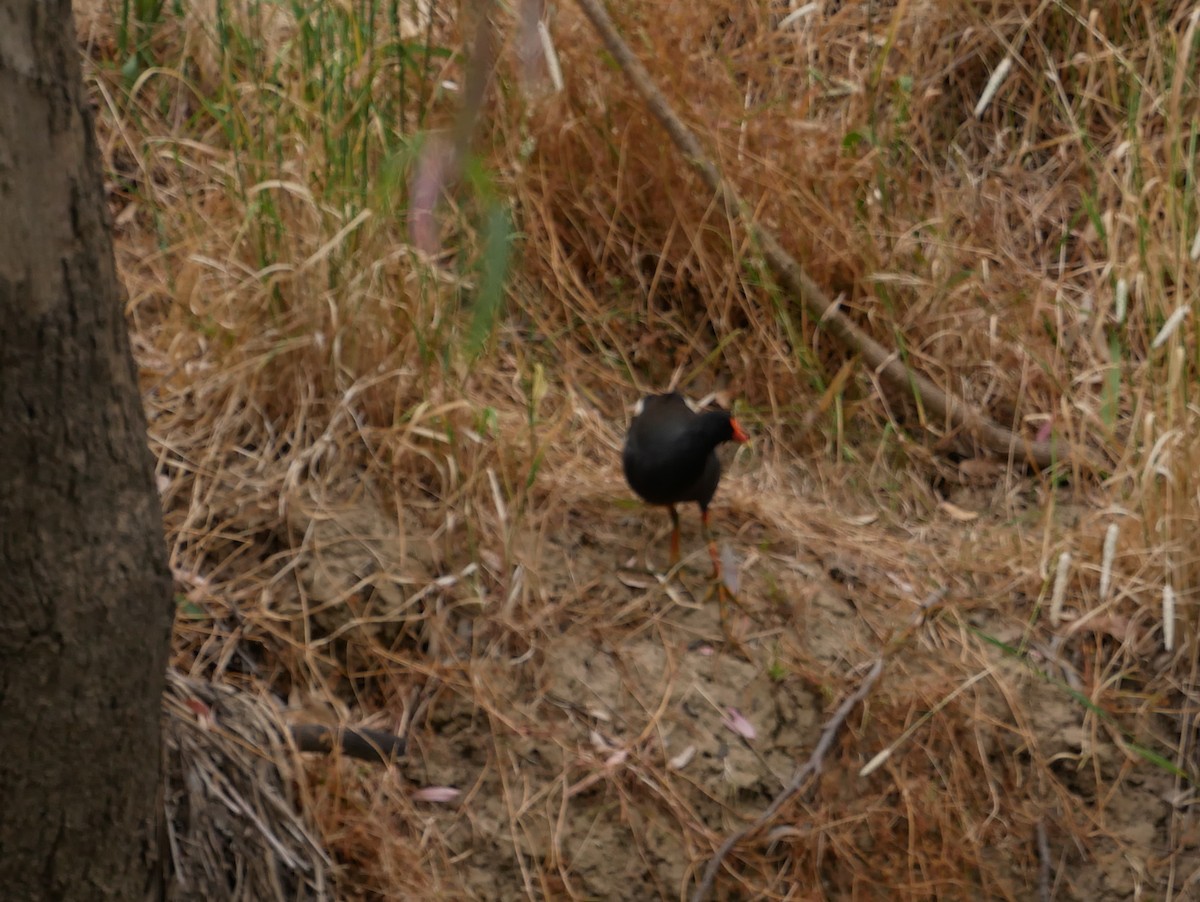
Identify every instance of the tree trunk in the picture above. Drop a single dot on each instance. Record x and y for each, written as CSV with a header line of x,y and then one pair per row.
x,y
85,592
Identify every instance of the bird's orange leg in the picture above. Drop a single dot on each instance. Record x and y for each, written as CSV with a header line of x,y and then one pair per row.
x,y
674,535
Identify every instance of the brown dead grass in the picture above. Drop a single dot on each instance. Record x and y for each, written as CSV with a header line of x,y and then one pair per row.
x,y
378,529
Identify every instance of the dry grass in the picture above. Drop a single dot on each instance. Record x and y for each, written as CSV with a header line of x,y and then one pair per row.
x,y
379,523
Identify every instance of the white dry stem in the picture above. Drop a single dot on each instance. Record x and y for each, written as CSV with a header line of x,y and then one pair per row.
x,y
1106,561
1060,588
498,499
797,14
1170,326
553,67
1168,616
993,85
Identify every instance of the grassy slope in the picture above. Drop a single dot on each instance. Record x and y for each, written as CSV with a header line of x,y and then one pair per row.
x,y
372,518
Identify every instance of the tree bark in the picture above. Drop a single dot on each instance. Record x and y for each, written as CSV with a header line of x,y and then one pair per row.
x,y
85,591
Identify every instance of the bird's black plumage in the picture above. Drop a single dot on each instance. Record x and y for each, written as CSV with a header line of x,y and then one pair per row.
x,y
670,454
670,451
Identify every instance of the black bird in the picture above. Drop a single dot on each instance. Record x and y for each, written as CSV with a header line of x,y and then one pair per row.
x,y
670,457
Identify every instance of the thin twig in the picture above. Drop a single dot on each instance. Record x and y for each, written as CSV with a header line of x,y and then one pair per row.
x,y
945,407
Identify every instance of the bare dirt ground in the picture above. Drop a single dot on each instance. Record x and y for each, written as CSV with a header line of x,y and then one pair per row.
x,y
595,747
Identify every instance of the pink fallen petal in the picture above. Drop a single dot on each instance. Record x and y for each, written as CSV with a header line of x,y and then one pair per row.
x,y
1046,430
436,794
198,707
738,724
616,758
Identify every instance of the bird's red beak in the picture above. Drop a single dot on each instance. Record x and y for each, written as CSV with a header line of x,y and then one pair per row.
x,y
739,435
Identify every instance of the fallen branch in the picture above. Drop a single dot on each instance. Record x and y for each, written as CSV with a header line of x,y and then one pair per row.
x,y
811,767
962,416
829,732
362,743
